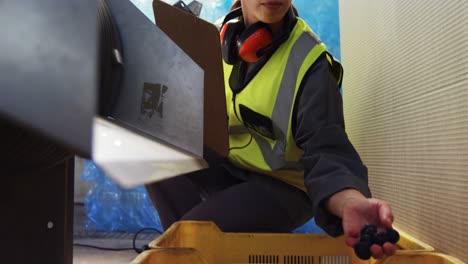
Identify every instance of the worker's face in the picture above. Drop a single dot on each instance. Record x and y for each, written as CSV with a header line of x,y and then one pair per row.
x,y
267,11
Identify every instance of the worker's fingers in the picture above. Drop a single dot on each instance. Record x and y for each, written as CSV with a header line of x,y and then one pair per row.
x,y
377,251
385,214
352,241
389,249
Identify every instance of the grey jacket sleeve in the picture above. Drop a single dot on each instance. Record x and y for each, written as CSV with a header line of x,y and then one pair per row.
x,y
331,163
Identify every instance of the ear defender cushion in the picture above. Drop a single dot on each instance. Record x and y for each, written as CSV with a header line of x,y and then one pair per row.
x,y
228,36
257,37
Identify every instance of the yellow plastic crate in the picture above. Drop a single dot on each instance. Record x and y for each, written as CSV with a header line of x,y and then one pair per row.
x,y
197,242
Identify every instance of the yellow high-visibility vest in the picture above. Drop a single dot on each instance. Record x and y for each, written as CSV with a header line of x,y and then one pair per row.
x,y
268,146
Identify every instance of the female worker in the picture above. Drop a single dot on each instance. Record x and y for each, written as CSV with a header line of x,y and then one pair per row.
x,y
290,158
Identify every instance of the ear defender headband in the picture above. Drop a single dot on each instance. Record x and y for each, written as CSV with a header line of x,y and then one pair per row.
x,y
248,44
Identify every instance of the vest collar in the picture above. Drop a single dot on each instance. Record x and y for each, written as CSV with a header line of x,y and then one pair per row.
x,y
241,76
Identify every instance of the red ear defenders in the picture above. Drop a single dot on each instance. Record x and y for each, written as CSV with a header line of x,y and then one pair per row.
x,y
251,43
240,43
247,44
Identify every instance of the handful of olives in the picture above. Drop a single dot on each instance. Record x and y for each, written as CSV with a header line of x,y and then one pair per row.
x,y
369,236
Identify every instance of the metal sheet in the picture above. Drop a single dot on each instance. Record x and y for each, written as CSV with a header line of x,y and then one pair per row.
x,y
48,68
131,159
183,28
162,93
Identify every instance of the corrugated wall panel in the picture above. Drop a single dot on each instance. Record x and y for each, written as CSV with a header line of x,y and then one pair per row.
x,y
406,109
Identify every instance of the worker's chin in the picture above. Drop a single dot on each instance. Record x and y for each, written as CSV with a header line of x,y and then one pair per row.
x,y
272,20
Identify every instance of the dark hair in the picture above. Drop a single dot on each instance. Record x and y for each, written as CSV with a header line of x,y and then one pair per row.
x,y
237,4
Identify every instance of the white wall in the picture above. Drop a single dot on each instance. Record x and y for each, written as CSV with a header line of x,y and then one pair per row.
x,y
406,110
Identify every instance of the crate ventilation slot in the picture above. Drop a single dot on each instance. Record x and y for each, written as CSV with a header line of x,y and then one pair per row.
x,y
334,260
263,259
298,260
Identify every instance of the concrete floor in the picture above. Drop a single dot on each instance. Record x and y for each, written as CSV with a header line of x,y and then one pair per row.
x,y
82,255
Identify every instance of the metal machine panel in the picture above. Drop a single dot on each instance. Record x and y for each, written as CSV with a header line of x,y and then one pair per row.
x,y
200,40
162,89
48,68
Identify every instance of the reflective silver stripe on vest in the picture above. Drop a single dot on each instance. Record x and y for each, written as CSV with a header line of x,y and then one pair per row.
x,y
284,102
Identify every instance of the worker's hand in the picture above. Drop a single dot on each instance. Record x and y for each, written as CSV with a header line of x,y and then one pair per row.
x,y
360,211
356,211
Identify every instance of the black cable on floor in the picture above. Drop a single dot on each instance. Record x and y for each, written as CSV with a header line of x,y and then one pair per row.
x,y
145,247
137,250
101,248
